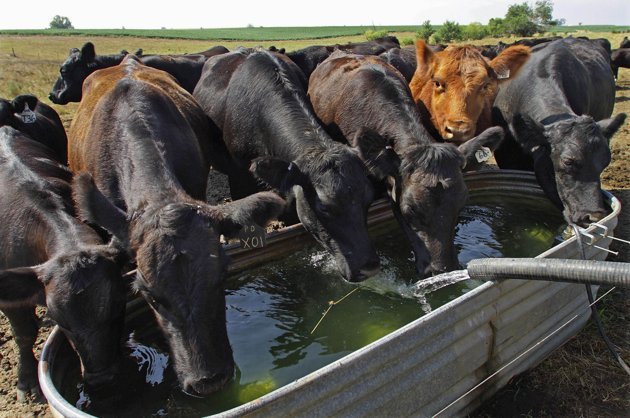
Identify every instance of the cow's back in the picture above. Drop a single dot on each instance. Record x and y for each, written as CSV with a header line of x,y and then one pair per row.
x,y
134,115
575,72
226,94
35,190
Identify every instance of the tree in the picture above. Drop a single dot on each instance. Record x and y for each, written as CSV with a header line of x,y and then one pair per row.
x,y
60,22
519,20
475,31
426,30
496,28
450,31
543,14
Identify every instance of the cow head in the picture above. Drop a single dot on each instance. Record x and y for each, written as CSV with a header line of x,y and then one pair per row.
x,y
85,295
75,69
569,156
458,86
427,191
37,120
332,195
180,264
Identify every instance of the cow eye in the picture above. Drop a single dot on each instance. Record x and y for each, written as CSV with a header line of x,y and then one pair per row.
x,y
439,86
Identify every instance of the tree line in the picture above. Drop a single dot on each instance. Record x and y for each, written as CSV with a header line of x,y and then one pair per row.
x,y
521,19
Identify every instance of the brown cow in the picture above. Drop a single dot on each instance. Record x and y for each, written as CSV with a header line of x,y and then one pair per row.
x,y
458,85
139,136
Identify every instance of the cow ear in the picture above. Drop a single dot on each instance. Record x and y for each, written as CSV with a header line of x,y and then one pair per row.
x,y
611,125
20,287
258,208
278,174
380,158
20,102
480,148
88,54
424,56
510,61
95,208
530,133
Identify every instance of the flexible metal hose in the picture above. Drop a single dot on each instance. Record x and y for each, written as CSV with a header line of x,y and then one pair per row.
x,y
550,269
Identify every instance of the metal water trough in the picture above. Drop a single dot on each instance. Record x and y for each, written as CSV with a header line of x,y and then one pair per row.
x,y
446,362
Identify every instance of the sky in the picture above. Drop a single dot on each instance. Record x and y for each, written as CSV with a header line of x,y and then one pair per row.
x,y
181,14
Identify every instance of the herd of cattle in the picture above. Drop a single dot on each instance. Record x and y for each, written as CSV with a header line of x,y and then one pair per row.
x,y
327,129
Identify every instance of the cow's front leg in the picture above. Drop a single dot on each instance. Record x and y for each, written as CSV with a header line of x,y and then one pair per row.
x,y
24,328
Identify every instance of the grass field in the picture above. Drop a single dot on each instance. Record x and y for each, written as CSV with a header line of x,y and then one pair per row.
x,y
264,33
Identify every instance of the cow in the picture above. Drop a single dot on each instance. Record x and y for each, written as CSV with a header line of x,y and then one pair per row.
x,y
619,58
458,85
51,258
367,104
625,43
37,120
186,68
491,51
557,114
403,59
136,144
308,58
258,101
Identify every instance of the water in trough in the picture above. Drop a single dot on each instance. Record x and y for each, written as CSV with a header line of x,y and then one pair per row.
x,y
291,317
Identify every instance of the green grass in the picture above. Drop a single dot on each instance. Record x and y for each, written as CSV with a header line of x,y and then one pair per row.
x,y
252,33
266,33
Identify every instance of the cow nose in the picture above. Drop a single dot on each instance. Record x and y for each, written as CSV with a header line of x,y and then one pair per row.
x,y
205,385
458,130
589,218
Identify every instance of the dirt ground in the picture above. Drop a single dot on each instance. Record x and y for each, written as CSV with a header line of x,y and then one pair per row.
x,y
578,380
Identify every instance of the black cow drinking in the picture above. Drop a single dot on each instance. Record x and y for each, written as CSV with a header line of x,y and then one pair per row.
x,y
557,113
137,140
51,258
258,100
367,103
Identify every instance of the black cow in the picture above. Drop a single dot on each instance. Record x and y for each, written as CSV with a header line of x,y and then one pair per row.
x,y
51,258
556,111
619,58
186,68
38,121
257,99
491,51
366,103
137,142
308,58
625,42
403,59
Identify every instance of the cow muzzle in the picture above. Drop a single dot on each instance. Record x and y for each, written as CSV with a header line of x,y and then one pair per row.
x,y
202,386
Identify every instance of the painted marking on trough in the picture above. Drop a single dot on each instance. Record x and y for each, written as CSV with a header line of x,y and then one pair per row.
x,y
252,236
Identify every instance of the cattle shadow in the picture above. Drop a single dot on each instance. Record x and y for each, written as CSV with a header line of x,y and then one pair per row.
x,y
621,99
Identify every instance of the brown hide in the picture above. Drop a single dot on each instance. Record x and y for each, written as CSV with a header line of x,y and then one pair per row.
x,y
458,86
99,83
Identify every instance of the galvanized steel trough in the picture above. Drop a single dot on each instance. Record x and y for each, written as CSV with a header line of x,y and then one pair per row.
x,y
446,362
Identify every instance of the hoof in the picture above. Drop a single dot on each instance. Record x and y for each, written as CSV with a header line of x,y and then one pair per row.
x,y
33,394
